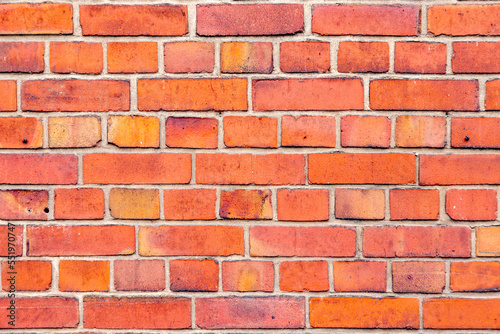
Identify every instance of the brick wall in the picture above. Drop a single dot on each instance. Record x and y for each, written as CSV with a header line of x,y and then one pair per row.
x,y
241,166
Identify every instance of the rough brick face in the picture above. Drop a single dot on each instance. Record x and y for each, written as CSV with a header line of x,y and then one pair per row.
x,y
8,95
21,57
420,57
76,57
189,57
21,132
247,276
239,57
297,57
363,57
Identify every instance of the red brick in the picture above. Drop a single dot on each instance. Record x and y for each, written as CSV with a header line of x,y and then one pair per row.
x,y
247,276
194,275
75,132
132,57
463,20
36,18
475,132
488,241
471,204
461,313
134,131
420,131
303,204
246,204
420,57
402,94
414,204
21,132
192,94
361,168
244,20
475,57
21,57
38,168
136,20
79,203
250,131
364,276
84,275
14,232
189,57
192,132
242,57
359,203
358,312
189,204
80,240
297,57
278,169
191,240
363,57
251,312
8,95
24,204
475,276
137,312
492,95
304,276
139,275
75,95
310,131
395,20
308,94
29,275
416,241
51,312
330,241
134,203
365,131
459,169
76,57
137,168
418,276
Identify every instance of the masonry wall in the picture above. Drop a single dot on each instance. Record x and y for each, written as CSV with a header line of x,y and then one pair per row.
x,y
249,167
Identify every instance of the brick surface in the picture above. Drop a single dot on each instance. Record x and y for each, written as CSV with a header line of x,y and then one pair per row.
x,y
247,276
74,132
36,18
241,57
303,204
420,57
76,57
463,20
304,276
84,275
305,57
24,204
139,275
363,57
21,57
364,276
79,203
359,203
194,275
189,57
418,276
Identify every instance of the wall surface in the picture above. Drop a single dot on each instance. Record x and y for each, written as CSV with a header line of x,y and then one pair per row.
x,y
249,166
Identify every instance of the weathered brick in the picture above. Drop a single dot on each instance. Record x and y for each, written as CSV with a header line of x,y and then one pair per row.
x,y
475,132
310,131
134,131
21,132
475,276
364,276
414,204
420,131
15,233
30,275
192,132
79,203
66,132
76,57
189,204
134,203
492,95
36,18
194,275
139,275
418,276
8,95
363,57
132,57
475,57
250,131
488,241
365,131
243,57
24,204
304,276
359,203
246,204
303,204
297,57
21,57
420,57
471,204
463,20
247,276
189,57
84,275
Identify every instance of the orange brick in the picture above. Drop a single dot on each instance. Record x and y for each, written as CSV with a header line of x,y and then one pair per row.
x,y
21,57
278,169
189,204
66,132
304,276
364,276
475,57
76,57
395,20
24,204
250,131
402,94
194,275
36,18
303,204
136,20
297,57
475,276
414,204
75,95
191,240
420,57
134,131
133,57
247,276
80,240
134,203
15,233
246,204
488,241
463,20
492,95
189,57
136,168
30,275
244,20
139,275
311,131
471,204
307,94
84,275
420,131
192,132
21,132
359,203
418,276
363,57
475,132
192,94
328,241
8,95
79,203
365,131
243,57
